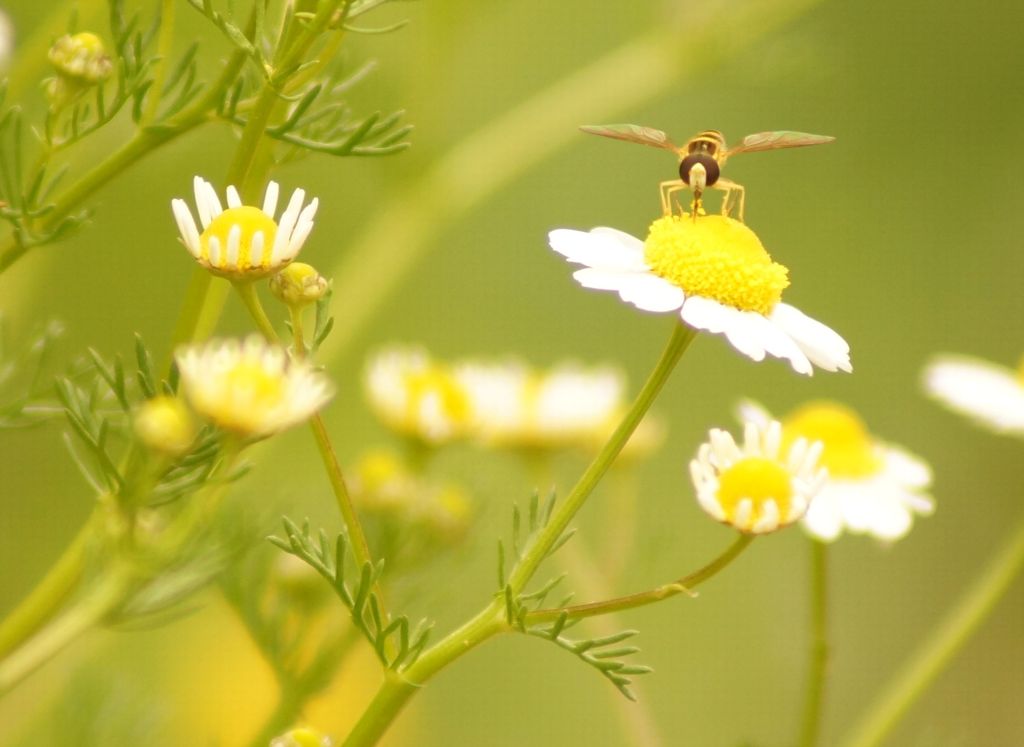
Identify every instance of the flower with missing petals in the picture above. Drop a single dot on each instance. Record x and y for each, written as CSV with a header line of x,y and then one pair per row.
x,y
716,275
243,242
759,486
873,487
987,393
251,389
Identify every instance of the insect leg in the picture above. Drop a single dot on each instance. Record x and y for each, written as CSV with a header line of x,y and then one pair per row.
x,y
729,187
666,189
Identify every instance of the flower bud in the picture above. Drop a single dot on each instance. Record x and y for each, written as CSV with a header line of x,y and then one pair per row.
x,y
165,426
81,58
80,62
298,284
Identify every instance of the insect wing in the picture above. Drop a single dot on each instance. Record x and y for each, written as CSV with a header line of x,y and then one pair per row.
x,y
633,134
776,140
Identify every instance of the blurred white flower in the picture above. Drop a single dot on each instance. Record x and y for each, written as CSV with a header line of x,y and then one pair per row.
x,y
512,405
243,241
759,486
416,396
6,40
990,394
252,388
873,487
716,274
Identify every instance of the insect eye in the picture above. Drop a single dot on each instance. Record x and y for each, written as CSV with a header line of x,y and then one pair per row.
x,y
710,166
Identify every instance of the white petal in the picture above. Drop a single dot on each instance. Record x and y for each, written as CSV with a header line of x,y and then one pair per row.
x,y
651,293
990,394
703,313
778,344
186,226
748,409
234,242
234,200
256,250
823,519
822,345
591,277
905,468
270,199
214,248
604,248
285,226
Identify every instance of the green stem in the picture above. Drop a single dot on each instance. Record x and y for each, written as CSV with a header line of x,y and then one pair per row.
x,y
88,612
48,596
357,537
163,51
145,141
397,690
817,669
683,585
247,292
942,645
298,336
681,337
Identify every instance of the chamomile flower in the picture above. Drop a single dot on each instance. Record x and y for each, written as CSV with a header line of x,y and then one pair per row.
x,y
243,241
759,486
515,406
990,394
416,396
302,737
716,275
873,487
252,388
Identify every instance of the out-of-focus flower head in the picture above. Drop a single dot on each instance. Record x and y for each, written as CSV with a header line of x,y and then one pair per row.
x,y
989,394
250,388
416,396
567,406
873,487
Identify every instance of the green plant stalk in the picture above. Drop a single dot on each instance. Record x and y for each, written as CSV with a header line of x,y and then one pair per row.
x,y
942,645
817,665
357,537
398,689
298,336
682,336
49,594
683,585
112,588
144,142
163,50
88,612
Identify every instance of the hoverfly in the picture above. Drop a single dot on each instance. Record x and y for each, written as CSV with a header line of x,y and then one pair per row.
x,y
702,157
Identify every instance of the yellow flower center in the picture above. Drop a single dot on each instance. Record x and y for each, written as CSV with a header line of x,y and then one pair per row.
x,y
715,257
435,381
250,221
848,450
253,389
378,468
757,479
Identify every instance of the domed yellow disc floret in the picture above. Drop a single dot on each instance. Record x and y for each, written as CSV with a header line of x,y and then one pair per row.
x,y
758,479
715,257
255,231
252,384
848,445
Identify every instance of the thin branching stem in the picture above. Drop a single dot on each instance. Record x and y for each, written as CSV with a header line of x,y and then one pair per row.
x,y
817,664
946,640
682,585
50,594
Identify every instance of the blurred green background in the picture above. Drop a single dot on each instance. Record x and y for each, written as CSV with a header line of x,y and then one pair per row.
x,y
905,236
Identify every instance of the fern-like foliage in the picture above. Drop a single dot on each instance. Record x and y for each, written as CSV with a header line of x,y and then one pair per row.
x,y
603,654
396,644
